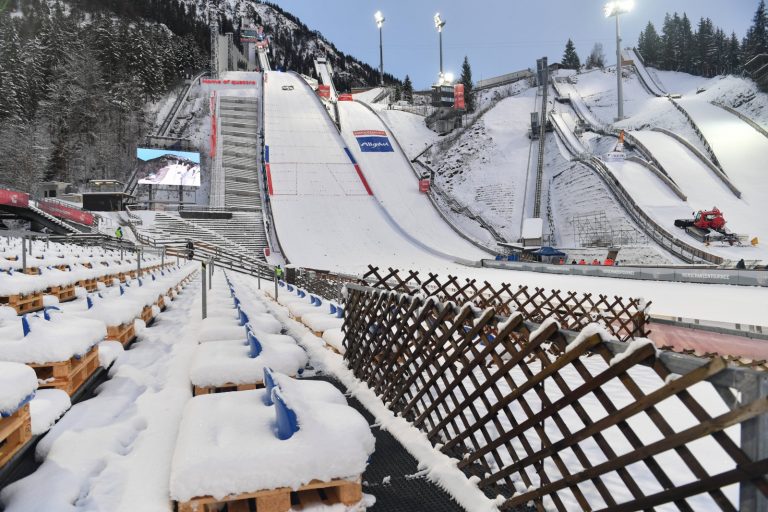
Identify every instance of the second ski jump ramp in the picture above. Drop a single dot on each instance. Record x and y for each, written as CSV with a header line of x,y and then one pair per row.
x,y
322,207
395,185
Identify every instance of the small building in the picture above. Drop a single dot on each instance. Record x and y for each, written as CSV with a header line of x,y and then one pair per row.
x,y
53,188
533,231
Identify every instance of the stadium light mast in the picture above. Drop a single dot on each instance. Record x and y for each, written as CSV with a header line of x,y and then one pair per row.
x,y
439,24
614,9
380,23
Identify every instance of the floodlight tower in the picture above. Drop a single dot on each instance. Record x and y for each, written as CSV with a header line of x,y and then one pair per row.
x,y
439,24
615,8
380,23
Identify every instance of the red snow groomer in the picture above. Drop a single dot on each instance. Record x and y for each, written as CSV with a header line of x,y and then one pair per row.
x,y
708,226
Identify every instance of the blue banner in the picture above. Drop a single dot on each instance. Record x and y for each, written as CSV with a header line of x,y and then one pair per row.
x,y
373,141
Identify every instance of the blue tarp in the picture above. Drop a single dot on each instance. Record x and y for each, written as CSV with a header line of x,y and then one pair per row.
x,y
548,251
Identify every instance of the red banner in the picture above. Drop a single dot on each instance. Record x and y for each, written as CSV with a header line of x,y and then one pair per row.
x,y
424,185
13,198
213,136
324,91
458,97
209,81
345,97
66,212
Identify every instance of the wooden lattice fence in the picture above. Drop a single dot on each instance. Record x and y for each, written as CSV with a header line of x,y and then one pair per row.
x,y
571,422
624,318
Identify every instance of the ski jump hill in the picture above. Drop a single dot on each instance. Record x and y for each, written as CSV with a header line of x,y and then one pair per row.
x,y
341,208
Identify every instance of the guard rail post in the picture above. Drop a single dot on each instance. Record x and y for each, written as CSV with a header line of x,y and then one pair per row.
x,y
210,274
205,294
275,279
138,263
754,440
24,254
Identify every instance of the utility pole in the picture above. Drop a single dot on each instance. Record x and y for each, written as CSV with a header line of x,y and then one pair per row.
x,y
615,8
439,24
380,23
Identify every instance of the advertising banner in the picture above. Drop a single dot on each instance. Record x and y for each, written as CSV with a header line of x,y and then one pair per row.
x,y
66,212
166,167
373,141
345,97
324,91
14,198
424,185
458,97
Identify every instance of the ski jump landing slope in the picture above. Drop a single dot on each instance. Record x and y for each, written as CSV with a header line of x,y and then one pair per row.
x,y
323,209
396,187
743,153
705,190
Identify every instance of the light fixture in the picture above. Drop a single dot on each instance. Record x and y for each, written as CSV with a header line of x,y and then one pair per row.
x,y
439,23
379,19
616,7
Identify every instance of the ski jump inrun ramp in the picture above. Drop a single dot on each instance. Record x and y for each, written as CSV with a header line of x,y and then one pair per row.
x,y
324,207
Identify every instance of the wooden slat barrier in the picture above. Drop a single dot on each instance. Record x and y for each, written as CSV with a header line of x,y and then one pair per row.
x,y
625,318
537,413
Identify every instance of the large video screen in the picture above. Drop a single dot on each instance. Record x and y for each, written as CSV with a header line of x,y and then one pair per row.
x,y
166,167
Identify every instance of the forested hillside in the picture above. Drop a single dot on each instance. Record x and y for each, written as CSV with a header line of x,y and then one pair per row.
x,y
75,81
705,49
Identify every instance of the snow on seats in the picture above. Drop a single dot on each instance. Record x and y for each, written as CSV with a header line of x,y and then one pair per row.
x,y
227,445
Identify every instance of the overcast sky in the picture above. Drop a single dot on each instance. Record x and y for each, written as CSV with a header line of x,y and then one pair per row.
x,y
498,36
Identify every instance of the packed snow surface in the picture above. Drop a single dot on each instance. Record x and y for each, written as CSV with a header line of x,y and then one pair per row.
x,y
227,445
17,382
47,407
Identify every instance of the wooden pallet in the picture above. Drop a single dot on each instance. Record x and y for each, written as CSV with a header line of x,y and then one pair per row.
x,y
89,284
15,432
281,500
32,271
122,277
24,303
146,314
124,333
64,293
68,375
160,302
225,388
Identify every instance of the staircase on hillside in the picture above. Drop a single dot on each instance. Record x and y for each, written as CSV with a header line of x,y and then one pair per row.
x,y
244,228
240,152
172,227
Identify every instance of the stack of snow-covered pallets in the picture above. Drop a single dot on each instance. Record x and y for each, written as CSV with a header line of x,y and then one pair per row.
x,y
61,344
289,444
237,341
25,411
57,270
324,318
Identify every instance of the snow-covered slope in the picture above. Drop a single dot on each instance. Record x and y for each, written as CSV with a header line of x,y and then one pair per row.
x,y
395,186
322,209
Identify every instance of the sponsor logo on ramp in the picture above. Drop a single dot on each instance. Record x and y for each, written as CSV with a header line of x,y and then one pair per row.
x,y
373,141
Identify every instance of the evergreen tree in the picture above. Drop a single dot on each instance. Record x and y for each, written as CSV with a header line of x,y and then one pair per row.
x,y
687,46
570,57
649,45
596,57
408,89
734,54
756,40
469,86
